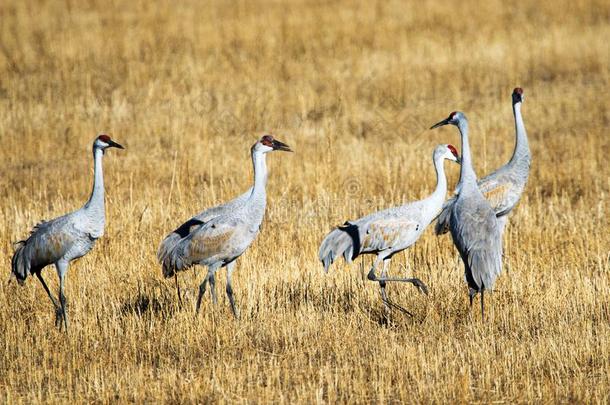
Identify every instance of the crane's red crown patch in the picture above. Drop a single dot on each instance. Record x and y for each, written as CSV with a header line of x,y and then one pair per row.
x,y
453,150
104,138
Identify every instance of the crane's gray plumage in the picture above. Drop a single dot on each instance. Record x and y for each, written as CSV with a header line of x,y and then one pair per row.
x,y
225,232
473,224
502,188
390,231
169,243
63,239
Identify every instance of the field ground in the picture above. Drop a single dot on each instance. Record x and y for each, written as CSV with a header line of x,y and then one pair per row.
x,y
352,87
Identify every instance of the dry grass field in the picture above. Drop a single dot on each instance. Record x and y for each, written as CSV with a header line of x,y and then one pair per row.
x,y
187,86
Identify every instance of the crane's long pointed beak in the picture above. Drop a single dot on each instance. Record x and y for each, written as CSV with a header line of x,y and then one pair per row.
x,y
440,124
277,145
115,145
458,160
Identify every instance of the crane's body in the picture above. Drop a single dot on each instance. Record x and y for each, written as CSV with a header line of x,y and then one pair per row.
x,y
219,241
169,243
504,187
390,231
66,238
473,224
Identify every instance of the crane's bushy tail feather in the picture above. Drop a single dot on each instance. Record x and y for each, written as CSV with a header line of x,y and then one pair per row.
x,y
443,219
20,265
167,250
170,256
339,242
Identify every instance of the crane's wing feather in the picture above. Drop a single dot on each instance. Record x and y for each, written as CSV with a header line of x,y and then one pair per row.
x,y
210,241
477,236
502,189
386,233
47,243
499,190
211,213
170,241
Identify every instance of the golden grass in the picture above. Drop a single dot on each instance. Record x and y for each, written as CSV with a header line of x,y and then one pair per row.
x,y
351,86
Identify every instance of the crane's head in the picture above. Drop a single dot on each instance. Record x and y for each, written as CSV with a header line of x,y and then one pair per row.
x,y
268,144
446,151
518,95
454,118
452,153
104,142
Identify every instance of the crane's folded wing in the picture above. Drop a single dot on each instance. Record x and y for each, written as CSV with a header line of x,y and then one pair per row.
x,y
386,233
209,241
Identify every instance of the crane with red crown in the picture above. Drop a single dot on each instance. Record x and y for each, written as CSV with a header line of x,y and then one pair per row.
x,y
63,239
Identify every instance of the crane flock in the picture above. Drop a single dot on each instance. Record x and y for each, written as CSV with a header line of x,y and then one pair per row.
x,y
475,215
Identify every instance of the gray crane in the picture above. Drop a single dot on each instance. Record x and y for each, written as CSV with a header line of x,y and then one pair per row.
x,y
219,241
473,224
390,231
502,188
169,243
63,239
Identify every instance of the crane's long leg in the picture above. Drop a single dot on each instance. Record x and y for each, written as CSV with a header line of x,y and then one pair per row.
x,y
482,305
213,288
53,300
471,294
382,285
415,281
373,277
230,268
209,277
202,291
62,269
178,289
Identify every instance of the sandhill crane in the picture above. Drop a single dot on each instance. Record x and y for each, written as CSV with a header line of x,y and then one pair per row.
x,y
390,231
474,228
221,240
169,243
502,188
63,239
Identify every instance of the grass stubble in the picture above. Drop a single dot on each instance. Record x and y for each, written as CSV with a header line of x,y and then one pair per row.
x,y
352,87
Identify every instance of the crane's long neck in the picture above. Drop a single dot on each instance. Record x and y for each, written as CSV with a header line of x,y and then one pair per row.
x,y
96,200
434,201
441,180
260,176
522,148
467,174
